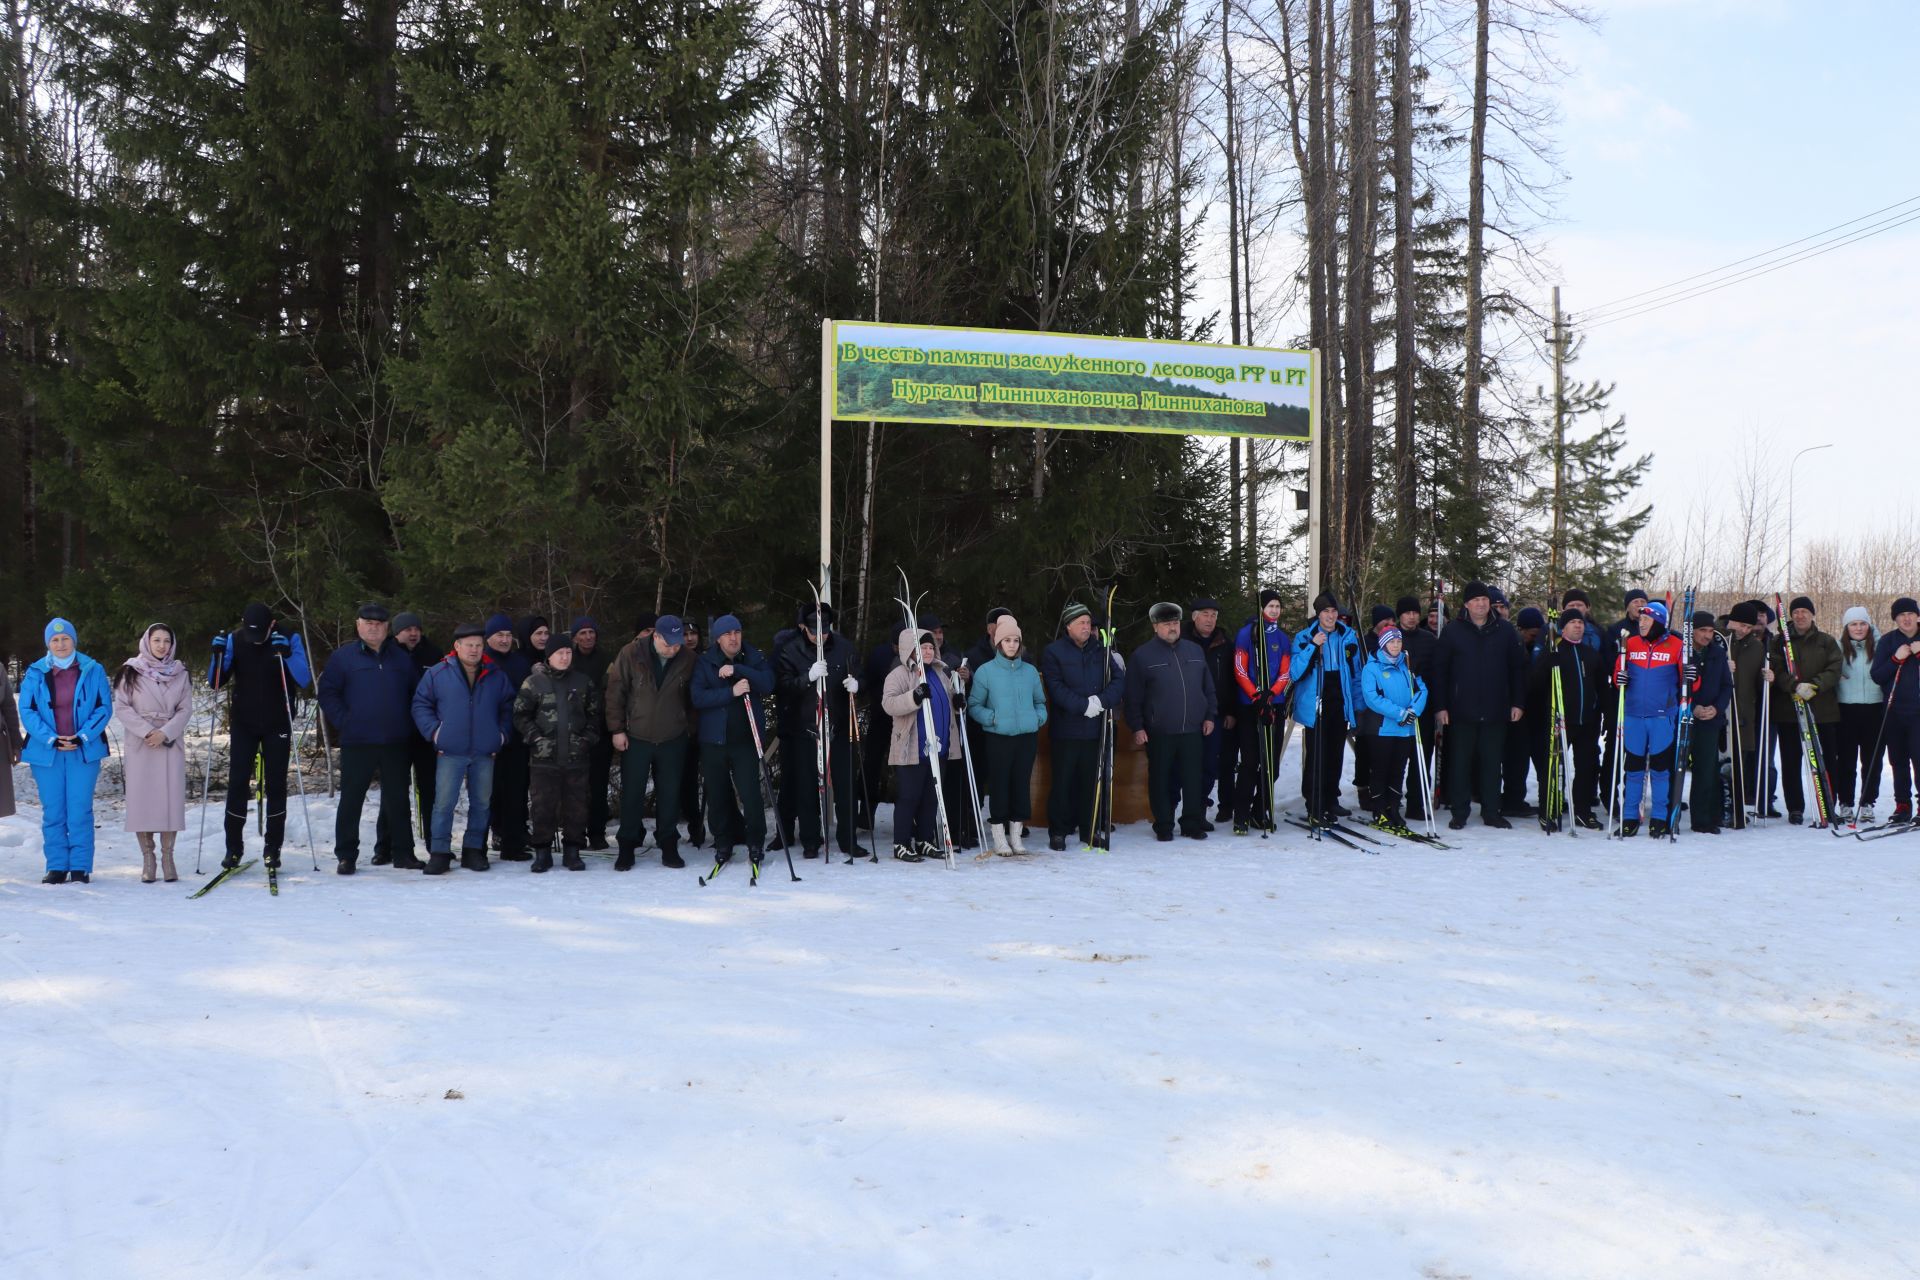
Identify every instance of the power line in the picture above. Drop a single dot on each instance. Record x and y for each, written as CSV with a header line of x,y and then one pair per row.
x,y
1596,311
1755,273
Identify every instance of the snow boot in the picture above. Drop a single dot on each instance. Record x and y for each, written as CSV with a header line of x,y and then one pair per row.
x,y
597,842
147,869
1057,843
1497,821
439,863
79,877
381,858
542,860
1016,836
670,857
623,859
570,858
167,871
811,851
997,838
54,877
1795,817
407,862
474,860
346,866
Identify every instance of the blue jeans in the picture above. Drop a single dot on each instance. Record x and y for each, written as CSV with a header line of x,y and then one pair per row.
x,y
448,773
66,810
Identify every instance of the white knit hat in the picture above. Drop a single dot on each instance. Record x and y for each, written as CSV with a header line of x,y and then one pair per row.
x,y
1856,614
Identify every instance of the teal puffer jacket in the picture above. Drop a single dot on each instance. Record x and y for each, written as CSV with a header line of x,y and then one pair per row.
x,y
1007,698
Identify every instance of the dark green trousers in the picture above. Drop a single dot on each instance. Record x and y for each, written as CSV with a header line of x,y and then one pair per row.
x,y
667,763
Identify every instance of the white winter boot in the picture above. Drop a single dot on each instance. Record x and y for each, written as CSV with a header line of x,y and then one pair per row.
x,y
997,838
1017,836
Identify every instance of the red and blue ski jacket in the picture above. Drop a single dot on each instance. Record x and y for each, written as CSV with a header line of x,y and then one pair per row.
x,y
1650,670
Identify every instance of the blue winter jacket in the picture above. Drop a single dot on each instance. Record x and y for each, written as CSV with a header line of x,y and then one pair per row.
x,y
92,710
1342,655
470,719
1856,673
1390,688
1170,688
1006,697
1076,674
1894,676
713,697
368,694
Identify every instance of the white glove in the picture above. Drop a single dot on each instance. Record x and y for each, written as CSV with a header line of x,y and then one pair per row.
x,y
850,684
818,671
1805,692
1094,709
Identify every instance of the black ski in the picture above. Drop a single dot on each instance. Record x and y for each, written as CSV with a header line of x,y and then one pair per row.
x,y
1341,827
220,878
1882,830
1331,833
273,879
1408,833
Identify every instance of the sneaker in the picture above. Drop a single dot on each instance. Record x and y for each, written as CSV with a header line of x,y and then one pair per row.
x,y
928,850
1843,813
906,853
1586,819
1863,816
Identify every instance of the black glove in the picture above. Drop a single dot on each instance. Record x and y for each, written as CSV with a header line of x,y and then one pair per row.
x,y
1408,716
1261,697
282,645
1690,673
919,694
1269,714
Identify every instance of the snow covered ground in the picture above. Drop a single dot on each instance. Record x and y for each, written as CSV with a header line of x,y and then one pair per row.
x,y
1526,1057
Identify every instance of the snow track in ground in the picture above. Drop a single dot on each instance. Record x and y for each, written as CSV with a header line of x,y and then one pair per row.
x,y
1527,1057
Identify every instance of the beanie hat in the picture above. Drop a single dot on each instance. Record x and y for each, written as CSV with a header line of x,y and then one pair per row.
x,y
1496,595
1074,609
721,625
1474,591
59,627
1659,612
1569,618
645,622
1905,604
556,643
1703,617
1269,596
1165,611
1202,602
926,622
996,613
1766,613
1379,614
1390,633
1406,604
1530,617
1745,614
1324,601
257,620
497,623
1802,602
1574,596
1635,594
1003,626
1856,614
401,621
670,629
582,623
466,629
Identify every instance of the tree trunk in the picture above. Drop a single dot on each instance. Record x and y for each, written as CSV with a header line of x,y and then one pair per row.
x,y
1404,352
1469,443
1363,176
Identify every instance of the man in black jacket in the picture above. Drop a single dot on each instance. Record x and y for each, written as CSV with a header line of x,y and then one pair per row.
x,y
1583,689
1478,680
1216,757
1418,648
798,667
1170,705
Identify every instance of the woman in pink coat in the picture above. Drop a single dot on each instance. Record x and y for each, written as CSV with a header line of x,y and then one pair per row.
x,y
152,700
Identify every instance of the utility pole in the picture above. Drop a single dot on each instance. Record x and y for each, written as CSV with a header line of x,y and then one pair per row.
x,y
1557,549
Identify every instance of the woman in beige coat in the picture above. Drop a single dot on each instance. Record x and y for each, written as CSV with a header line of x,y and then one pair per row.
x,y
920,678
152,701
11,740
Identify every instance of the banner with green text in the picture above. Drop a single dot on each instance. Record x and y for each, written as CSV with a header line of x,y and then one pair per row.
x,y
1065,381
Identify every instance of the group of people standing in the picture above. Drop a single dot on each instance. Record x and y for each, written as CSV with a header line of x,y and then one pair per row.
x,y
526,723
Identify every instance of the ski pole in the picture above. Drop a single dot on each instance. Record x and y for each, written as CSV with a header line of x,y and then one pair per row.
x,y
1886,712
299,743
206,788
858,772
766,780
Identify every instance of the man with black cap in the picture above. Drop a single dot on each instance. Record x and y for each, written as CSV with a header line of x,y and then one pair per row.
x,y
464,709
367,694
593,660
1710,702
1325,672
1813,684
1171,702
1479,681
1083,680
728,682
798,668
1896,671
260,666
648,714
1218,751
410,634
1262,654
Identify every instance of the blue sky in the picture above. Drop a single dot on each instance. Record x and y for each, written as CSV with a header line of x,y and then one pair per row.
x,y
1697,132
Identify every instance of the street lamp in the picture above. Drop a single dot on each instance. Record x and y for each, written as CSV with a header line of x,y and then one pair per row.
x,y
1792,472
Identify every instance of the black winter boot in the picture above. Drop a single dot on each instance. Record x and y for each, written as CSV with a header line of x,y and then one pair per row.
x,y
438,863
79,877
474,860
670,857
346,866
570,858
231,860
623,860
54,877
542,859
407,862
